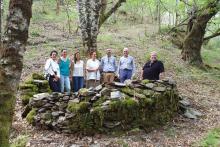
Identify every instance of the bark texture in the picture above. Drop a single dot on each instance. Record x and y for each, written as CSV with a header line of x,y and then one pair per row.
x,y
194,38
11,62
89,12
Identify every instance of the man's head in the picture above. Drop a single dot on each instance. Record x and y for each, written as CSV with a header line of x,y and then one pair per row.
x,y
125,52
153,56
109,51
53,54
64,53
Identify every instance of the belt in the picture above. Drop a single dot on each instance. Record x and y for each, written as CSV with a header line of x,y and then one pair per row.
x,y
108,72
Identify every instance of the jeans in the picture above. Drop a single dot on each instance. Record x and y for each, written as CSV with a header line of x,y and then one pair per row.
x,y
78,83
125,74
65,82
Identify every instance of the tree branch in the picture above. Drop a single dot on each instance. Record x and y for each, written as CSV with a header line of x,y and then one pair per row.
x,y
217,33
104,17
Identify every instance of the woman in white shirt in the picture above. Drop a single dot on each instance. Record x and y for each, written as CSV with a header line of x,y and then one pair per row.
x,y
93,73
53,71
78,72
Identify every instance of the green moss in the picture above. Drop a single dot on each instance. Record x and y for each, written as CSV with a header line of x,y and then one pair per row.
x,y
138,95
31,115
37,76
31,87
25,99
7,101
145,81
128,91
81,107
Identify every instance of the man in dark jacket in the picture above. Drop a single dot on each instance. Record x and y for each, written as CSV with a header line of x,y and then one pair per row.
x,y
153,68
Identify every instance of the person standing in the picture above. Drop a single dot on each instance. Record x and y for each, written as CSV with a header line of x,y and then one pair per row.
x,y
126,66
153,68
53,71
64,64
78,72
108,65
93,73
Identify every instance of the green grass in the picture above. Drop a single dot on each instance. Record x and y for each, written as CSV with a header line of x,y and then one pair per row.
x,y
20,141
210,53
211,140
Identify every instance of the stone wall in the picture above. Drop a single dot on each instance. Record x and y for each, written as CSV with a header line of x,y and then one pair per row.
x,y
107,108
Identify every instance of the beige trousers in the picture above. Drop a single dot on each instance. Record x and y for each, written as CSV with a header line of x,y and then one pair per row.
x,y
108,77
92,83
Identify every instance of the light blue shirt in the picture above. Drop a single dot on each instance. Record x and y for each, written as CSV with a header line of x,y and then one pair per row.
x,y
127,63
108,64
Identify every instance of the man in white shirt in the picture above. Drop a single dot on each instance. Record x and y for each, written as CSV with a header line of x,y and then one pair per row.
x,y
53,71
126,66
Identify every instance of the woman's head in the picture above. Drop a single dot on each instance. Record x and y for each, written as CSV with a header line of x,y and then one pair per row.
x,y
93,55
76,57
53,54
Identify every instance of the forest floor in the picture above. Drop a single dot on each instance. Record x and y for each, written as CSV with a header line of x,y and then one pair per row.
x,y
202,88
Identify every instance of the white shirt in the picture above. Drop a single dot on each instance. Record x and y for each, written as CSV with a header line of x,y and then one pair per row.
x,y
51,67
78,69
92,65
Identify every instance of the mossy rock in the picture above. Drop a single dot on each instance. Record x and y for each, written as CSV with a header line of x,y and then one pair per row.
x,y
31,87
81,107
145,81
25,99
37,76
31,115
128,91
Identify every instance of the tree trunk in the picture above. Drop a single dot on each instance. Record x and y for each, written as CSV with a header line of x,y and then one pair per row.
x,y
58,7
194,38
11,62
1,17
89,12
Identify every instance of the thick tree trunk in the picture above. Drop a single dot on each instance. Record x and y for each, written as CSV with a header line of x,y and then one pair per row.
x,y
11,62
192,43
89,12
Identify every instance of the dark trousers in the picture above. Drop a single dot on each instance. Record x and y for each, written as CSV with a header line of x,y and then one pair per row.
x,y
54,85
78,83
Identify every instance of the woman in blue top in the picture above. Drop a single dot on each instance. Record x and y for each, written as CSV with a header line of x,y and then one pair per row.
x,y
64,65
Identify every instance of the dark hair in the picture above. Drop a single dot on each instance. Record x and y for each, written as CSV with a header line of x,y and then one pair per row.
x,y
63,50
75,56
53,51
92,53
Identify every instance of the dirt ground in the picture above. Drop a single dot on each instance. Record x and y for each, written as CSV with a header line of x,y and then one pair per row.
x,y
203,93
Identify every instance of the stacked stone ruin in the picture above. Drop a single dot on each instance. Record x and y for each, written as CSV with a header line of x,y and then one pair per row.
x,y
114,107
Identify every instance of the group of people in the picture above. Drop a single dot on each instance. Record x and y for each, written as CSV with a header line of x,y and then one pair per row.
x,y
62,71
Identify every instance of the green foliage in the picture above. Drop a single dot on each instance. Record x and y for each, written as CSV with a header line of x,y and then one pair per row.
x,y
20,141
212,139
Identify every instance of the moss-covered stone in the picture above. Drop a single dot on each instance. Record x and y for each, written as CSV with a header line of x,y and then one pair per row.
x,y
37,76
25,99
31,87
145,81
81,107
31,115
128,91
